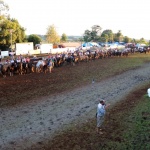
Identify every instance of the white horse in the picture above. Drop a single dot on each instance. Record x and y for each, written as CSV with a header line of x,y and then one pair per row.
x,y
39,66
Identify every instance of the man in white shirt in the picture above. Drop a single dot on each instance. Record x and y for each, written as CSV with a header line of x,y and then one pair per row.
x,y
101,110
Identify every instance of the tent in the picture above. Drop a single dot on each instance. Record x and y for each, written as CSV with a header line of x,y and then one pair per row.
x,y
89,44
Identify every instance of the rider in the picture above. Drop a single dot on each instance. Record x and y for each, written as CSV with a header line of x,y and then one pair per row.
x,y
50,65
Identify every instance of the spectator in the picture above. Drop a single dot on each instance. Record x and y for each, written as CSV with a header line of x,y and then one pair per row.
x,y
101,110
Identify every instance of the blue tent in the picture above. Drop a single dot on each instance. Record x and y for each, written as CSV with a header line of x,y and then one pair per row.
x,y
89,44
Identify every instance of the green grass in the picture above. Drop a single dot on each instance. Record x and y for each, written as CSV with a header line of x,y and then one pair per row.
x,y
134,130
137,135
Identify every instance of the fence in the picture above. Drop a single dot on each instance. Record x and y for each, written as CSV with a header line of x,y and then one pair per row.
x,y
38,51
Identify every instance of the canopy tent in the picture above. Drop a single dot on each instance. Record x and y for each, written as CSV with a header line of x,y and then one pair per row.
x,y
89,44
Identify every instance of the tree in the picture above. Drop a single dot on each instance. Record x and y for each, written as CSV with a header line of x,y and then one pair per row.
x,y
119,36
142,41
64,37
97,29
11,33
105,37
126,39
34,38
87,36
51,35
109,33
4,8
92,35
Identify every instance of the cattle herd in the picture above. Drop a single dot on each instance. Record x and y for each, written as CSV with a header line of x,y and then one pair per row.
x,y
25,65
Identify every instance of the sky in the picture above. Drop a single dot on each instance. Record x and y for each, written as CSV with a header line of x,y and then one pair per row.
x,y
73,17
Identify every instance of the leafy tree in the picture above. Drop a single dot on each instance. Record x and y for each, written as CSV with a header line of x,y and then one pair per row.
x,y
97,29
142,41
104,37
11,33
119,36
52,35
126,39
87,36
64,37
133,40
109,33
111,37
34,38
92,35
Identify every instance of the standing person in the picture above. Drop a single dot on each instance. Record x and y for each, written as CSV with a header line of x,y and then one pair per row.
x,y
101,110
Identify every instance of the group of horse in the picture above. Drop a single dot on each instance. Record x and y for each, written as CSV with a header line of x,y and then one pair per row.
x,y
15,68
37,65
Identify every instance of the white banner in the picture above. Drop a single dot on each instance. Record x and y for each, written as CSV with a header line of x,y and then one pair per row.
x,y
4,53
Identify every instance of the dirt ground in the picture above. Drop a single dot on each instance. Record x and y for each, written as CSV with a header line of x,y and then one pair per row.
x,y
84,136
35,108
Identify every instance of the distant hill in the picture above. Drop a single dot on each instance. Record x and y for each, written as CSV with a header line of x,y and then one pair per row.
x,y
74,38
43,37
70,38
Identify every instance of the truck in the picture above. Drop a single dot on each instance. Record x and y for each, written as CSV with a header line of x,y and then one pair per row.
x,y
23,48
46,48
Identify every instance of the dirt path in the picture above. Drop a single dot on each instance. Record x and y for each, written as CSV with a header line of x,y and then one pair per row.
x,y
24,126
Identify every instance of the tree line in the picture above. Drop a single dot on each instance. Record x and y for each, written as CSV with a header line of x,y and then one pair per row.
x,y
96,35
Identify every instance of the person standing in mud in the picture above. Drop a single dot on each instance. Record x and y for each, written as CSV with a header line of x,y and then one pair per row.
x,y
101,110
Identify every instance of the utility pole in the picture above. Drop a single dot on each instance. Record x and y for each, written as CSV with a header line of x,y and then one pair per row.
x,y
11,31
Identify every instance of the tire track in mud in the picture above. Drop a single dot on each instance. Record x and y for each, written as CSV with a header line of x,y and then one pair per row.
x,y
35,123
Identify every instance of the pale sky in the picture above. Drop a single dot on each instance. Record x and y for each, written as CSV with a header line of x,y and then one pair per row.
x,y
73,17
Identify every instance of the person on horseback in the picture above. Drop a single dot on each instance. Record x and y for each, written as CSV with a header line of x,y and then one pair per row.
x,y
50,65
0,56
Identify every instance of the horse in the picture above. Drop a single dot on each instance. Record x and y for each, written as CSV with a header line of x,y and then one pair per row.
x,y
59,61
4,69
117,53
100,55
125,52
11,68
92,55
83,58
70,60
41,66
30,67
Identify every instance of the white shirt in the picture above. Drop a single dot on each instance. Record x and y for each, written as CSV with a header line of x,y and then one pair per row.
x,y
100,110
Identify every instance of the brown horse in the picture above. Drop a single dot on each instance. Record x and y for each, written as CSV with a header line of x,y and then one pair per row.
x,y
83,58
4,69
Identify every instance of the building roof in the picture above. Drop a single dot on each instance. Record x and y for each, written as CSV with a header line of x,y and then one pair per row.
x,y
71,44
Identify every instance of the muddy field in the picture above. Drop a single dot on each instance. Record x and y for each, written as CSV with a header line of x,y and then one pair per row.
x,y
36,107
